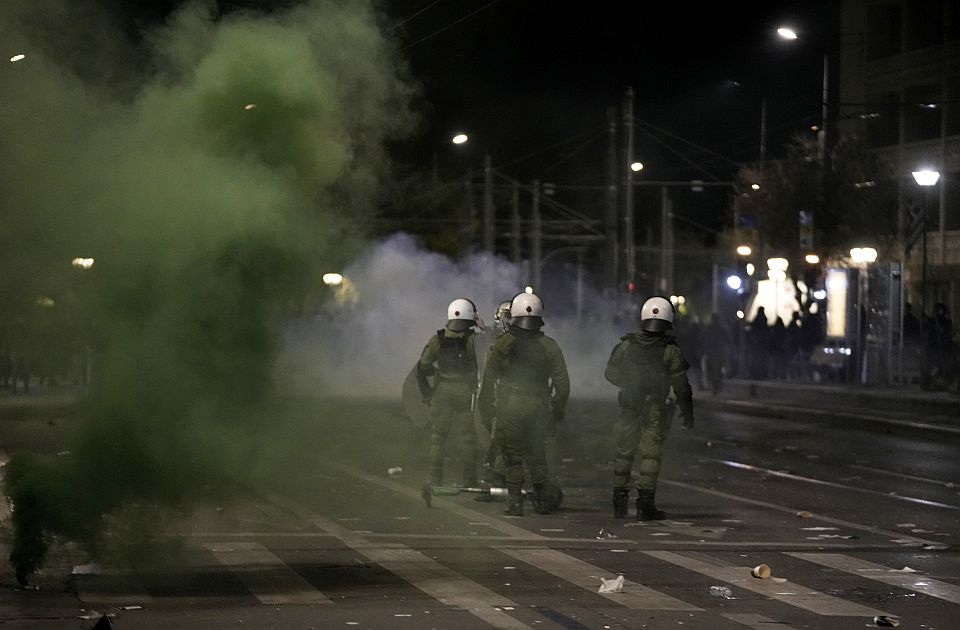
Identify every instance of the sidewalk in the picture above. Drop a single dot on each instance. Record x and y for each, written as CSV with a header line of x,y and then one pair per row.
x,y
852,401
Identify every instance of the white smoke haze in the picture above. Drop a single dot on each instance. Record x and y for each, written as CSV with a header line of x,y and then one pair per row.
x,y
368,348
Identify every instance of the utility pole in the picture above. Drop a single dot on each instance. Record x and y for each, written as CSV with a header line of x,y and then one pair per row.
x,y
763,131
610,214
515,224
666,241
488,239
536,236
628,249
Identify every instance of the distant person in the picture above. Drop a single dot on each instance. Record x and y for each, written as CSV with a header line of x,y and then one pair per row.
x,y
525,386
757,344
776,340
645,366
941,351
716,348
793,356
447,375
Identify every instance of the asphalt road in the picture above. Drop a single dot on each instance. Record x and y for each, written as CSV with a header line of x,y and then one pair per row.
x,y
327,538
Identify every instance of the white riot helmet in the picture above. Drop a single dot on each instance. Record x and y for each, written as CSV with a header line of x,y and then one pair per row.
x,y
461,315
656,315
526,311
501,318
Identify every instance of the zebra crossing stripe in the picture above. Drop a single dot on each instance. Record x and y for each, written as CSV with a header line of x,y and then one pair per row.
x,y
270,580
862,568
431,577
585,575
758,622
787,592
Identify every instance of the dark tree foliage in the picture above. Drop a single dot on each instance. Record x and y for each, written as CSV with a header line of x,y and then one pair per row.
x,y
851,195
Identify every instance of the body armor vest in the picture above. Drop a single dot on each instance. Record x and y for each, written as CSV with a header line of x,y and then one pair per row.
x,y
528,364
453,358
644,364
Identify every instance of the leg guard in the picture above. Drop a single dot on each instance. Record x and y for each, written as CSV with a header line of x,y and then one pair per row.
x,y
621,499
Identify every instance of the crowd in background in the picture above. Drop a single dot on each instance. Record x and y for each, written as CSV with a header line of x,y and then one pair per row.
x,y
758,350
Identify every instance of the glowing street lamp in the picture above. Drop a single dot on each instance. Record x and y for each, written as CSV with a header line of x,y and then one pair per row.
x,y
863,255
926,177
17,57
332,279
734,282
744,250
787,32
755,186
636,167
777,264
82,263
812,259
460,138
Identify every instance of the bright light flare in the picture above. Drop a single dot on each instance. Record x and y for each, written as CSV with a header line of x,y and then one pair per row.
x,y
744,250
18,57
787,33
740,315
249,106
777,275
751,269
636,167
755,186
812,259
926,177
777,264
332,279
734,282
82,263
460,138
820,294
528,290
861,255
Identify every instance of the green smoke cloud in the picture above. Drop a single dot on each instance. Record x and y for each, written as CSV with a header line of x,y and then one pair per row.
x,y
210,169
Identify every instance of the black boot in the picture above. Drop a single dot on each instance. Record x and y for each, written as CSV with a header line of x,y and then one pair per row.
x,y
541,499
621,499
647,509
514,501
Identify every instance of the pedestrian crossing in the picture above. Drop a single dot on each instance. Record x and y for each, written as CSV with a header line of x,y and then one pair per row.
x,y
650,574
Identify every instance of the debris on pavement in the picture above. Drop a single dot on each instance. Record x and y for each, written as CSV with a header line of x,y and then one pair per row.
x,y
779,580
721,591
820,529
930,547
132,607
903,570
603,534
395,470
86,569
885,621
804,514
611,586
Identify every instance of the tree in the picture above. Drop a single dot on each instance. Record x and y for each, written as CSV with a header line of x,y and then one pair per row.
x,y
851,195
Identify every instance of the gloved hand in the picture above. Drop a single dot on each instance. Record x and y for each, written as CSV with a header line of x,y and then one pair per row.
x,y
687,421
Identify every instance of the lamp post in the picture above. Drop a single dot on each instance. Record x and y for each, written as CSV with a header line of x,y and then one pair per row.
x,y
926,179
790,34
862,257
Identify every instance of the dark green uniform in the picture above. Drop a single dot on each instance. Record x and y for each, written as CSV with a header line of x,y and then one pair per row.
x,y
450,360
644,365
525,386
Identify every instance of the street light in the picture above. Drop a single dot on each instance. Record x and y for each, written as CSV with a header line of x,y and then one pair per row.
x,y
790,34
812,259
925,178
734,282
332,279
744,250
17,57
460,138
863,255
636,167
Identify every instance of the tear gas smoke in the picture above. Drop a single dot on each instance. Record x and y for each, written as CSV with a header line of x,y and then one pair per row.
x,y
367,348
205,218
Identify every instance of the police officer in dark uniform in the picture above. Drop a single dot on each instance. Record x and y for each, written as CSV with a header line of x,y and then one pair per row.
x,y
447,376
646,365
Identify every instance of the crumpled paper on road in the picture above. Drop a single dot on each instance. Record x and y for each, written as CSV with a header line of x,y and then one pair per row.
x,y
611,586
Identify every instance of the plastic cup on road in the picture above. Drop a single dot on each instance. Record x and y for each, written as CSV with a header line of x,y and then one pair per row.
x,y
761,571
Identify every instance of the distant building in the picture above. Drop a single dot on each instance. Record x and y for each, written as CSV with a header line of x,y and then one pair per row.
x,y
899,88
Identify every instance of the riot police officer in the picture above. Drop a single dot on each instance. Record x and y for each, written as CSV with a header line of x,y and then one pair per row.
x,y
447,375
646,366
525,386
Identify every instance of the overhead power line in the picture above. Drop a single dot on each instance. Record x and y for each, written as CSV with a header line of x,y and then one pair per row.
x,y
407,19
451,24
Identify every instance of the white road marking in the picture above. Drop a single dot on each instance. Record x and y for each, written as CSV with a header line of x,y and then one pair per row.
x,y
946,484
758,622
431,577
585,575
471,515
264,574
861,568
832,484
793,511
787,592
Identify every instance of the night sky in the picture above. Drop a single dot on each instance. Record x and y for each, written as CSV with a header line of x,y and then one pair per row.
x,y
530,81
